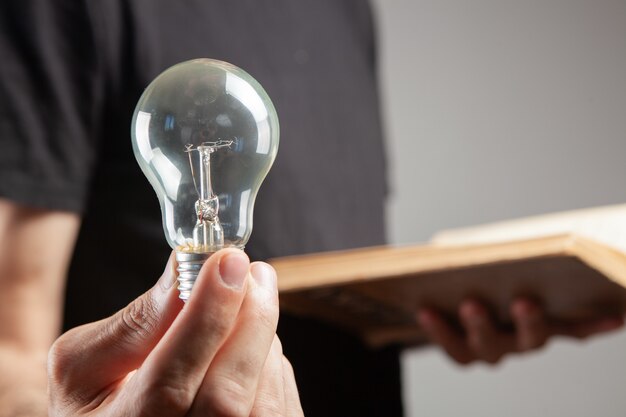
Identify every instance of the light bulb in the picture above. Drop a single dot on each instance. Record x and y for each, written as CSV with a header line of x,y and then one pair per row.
x,y
205,134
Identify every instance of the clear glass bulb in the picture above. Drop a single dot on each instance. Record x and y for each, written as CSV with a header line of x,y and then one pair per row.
x,y
205,134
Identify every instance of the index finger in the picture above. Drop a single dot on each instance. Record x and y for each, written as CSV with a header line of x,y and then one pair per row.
x,y
168,380
230,385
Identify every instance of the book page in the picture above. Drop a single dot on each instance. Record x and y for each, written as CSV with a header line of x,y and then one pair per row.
x,y
606,225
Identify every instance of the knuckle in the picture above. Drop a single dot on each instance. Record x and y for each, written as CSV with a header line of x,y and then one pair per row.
x,y
58,359
228,399
140,317
61,359
65,390
167,399
267,407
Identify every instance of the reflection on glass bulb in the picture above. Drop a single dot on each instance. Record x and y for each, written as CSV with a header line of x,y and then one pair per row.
x,y
205,134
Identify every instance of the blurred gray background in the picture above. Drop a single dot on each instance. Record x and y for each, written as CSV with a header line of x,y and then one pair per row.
x,y
497,109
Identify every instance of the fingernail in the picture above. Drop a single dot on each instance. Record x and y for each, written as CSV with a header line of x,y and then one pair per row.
x,y
263,274
233,269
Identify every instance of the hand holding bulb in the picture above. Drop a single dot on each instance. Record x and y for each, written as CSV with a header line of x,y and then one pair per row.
x,y
205,134
150,360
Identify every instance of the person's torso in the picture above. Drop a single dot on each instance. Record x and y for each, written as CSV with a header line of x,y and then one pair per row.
x,y
326,190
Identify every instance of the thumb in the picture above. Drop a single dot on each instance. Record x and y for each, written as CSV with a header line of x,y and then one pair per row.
x,y
89,358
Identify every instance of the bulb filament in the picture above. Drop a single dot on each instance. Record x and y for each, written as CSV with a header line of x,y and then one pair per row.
x,y
208,235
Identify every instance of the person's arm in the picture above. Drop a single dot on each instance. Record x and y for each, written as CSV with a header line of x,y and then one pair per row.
x,y
35,249
217,355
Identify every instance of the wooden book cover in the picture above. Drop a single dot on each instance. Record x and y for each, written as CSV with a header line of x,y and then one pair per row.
x,y
574,263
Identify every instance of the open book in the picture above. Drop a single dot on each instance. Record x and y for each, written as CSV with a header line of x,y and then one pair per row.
x,y
574,263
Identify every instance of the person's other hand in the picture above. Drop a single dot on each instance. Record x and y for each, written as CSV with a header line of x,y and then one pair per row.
x,y
216,355
481,340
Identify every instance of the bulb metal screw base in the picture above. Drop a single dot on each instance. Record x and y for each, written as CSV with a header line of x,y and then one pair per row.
x,y
189,265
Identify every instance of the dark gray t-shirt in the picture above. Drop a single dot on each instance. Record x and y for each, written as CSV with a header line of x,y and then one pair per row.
x,y
70,75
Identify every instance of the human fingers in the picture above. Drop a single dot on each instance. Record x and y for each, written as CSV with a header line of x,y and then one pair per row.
x,y
441,333
230,385
531,328
483,339
277,394
293,406
84,363
167,382
270,396
589,328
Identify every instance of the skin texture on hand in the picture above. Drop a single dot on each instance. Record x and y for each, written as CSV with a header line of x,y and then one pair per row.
x,y
481,340
216,355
